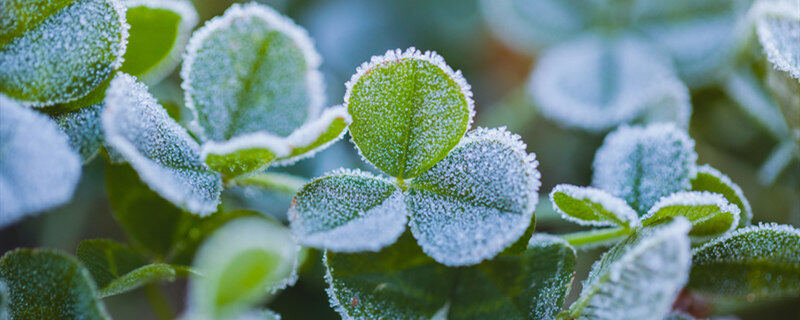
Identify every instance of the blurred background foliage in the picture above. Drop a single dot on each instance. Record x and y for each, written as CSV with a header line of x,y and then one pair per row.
x,y
349,32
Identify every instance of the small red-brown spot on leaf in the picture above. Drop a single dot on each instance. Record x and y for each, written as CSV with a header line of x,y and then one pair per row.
x,y
354,302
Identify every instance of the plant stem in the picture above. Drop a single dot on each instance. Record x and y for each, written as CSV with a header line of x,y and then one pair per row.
x,y
593,237
279,182
159,302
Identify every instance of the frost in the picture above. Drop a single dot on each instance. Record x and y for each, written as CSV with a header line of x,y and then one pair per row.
x,y
270,82
61,57
589,206
409,109
477,201
639,278
241,263
709,213
164,155
83,129
597,83
778,28
38,170
711,180
643,164
348,211
531,25
317,134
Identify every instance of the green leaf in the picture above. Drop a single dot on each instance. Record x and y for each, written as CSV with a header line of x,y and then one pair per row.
x,y
317,134
164,155
38,170
401,282
751,265
348,211
47,284
278,182
241,264
57,51
711,180
159,32
592,207
477,201
787,93
83,129
530,25
409,109
643,164
251,70
596,83
639,278
709,213
118,268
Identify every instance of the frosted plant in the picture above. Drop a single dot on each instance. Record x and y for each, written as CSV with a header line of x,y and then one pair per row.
x,y
57,51
38,170
261,103
644,176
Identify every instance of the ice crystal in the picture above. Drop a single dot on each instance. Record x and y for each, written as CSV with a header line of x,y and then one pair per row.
x,y
348,211
643,164
38,170
592,207
409,109
712,180
476,201
164,155
596,83
778,28
60,57
83,129
709,213
251,70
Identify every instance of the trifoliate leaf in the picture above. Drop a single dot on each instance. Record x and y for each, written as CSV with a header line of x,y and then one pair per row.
x,y
709,213
316,135
251,70
57,51
38,170
241,263
777,23
643,164
118,268
530,25
638,278
401,282
750,265
409,110
348,211
47,284
158,34
163,154
596,83
592,207
83,129
476,201
711,180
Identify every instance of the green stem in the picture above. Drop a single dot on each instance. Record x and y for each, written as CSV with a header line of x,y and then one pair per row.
x,y
598,236
279,182
159,302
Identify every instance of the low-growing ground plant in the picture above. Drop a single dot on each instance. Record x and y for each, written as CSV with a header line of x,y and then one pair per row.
x,y
440,221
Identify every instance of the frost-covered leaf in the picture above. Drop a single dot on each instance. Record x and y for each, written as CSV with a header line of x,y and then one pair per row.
x,y
161,151
158,34
5,313
241,263
243,154
787,94
643,164
597,83
710,214
638,278
47,284
83,129
317,134
118,268
348,211
401,282
711,180
409,109
251,70
777,25
679,316
476,201
56,51
38,170
750,265
592,207
530,25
